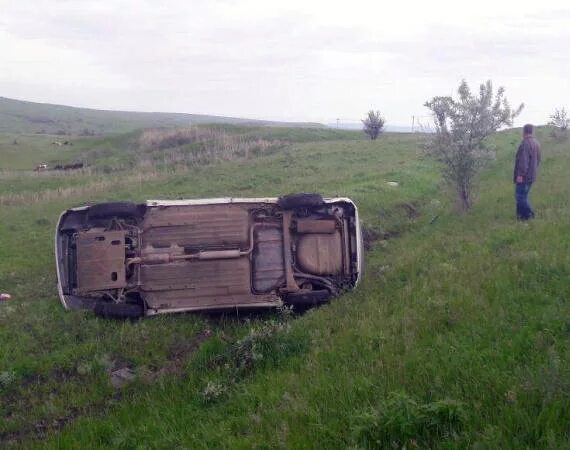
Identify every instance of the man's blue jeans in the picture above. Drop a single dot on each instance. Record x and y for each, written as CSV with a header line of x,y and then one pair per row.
x,y
524,211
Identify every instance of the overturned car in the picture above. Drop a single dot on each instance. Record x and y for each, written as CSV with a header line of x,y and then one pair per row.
x,y
128,260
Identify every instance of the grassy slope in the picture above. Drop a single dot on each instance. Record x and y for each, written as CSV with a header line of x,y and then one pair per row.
x,y
459,335
28,117
25,151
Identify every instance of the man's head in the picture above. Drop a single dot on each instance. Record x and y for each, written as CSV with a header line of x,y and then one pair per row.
x,y
528,129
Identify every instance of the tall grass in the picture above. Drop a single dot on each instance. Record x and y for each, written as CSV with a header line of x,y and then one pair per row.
x,y
198,145
155,153
88,186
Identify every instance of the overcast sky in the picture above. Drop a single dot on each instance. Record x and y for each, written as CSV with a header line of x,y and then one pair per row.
x,y
292,60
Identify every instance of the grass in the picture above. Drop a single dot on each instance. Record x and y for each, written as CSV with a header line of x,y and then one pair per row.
x,y
23,152
459,336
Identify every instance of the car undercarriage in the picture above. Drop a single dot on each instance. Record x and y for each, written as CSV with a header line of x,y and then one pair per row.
x,y
125,259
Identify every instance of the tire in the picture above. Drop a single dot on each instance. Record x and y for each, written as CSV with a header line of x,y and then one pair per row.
x,y
113,209
108,310
301,200
308,299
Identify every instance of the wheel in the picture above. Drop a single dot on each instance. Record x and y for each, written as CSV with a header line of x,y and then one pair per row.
x,y
301,200
109,310
113,209
308,299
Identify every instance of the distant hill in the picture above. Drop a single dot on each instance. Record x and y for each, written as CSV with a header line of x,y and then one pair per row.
x,y
17,116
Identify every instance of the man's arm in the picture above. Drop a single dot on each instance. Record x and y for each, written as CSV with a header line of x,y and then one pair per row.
x,y
522,162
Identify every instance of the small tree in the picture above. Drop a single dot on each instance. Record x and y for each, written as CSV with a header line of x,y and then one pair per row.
x,y
373,124
560,121
461,125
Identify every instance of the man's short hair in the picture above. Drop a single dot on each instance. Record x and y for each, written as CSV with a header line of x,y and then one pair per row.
x,y
528,129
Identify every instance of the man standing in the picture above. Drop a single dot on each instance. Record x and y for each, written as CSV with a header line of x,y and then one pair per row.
x,y
527,161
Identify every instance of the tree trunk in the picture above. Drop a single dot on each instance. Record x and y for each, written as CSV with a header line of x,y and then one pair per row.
x,y
464,196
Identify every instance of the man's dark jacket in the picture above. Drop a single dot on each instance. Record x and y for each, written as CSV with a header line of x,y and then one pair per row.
x,y
527,160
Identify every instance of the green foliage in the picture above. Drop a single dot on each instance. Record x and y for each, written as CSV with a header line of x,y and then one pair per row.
x,y
266,344
213,391
461,126
559,119
7,377
560,122
401,422
373,124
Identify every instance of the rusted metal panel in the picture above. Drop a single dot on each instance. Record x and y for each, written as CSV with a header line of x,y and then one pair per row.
x,y
290,283
268,269
197,226
345,247
100,260
316,226
202,281
320,254
207,284
182,299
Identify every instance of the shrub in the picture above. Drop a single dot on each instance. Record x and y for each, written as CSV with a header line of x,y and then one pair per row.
x,y
266,345
560,122
213,391
7,378
198,145
401,421
461,126
373,124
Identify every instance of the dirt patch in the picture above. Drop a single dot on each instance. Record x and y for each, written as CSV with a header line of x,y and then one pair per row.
x,y
387,235
410,209
41,429
369,236
121,374
120,377
178,356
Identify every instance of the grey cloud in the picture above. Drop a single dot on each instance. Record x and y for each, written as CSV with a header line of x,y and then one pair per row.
x,y
193,55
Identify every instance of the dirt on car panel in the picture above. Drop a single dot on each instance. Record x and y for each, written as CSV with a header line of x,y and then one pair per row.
x,y
209,283
197,225
101,260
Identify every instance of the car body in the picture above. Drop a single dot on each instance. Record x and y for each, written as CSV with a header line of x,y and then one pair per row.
x,y
126,260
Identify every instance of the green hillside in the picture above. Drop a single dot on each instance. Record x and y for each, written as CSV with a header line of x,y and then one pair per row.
x,y
458,337
18,116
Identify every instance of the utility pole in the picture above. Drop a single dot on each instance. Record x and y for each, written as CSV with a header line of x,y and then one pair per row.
x,y
413,123
337,120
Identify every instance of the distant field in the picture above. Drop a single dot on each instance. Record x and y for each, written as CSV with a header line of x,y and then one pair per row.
x,y
131,160
459,336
